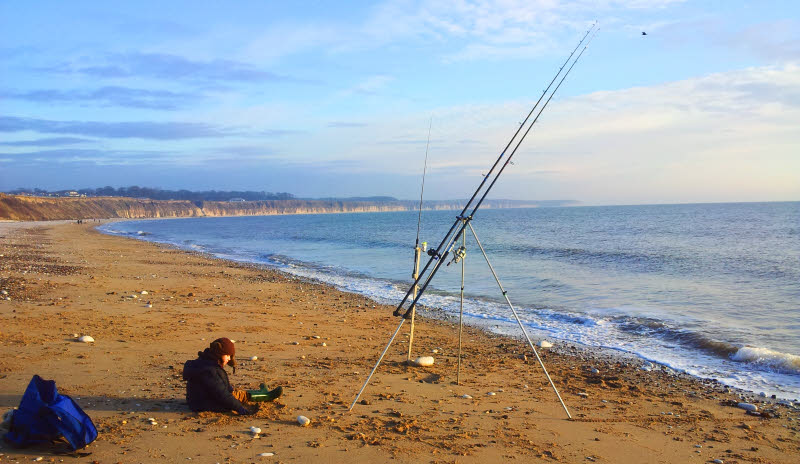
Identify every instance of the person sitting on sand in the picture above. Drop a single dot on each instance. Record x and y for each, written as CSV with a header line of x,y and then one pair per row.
x,y
208,387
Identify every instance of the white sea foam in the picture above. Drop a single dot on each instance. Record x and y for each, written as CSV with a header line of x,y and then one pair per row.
x,y
783,362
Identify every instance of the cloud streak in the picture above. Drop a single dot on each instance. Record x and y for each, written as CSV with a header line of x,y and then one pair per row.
x,y
170,67
47,142
111,96
86,156
141,130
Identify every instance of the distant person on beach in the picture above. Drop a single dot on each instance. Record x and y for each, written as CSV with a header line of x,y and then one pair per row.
x,y
208,387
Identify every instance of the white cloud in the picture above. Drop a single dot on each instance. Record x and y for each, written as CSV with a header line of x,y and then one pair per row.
x,y
477,28
721,137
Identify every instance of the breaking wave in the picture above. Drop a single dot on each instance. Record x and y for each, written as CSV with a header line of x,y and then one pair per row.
x,y
781,362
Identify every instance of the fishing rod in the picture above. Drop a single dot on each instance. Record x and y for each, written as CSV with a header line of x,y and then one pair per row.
x,y
439,255
417,249
464,220
422,189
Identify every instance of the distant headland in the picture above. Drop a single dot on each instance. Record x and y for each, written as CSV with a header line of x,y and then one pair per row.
x,y
68,205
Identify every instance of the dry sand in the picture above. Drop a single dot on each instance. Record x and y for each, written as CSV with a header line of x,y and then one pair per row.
x,y
66,279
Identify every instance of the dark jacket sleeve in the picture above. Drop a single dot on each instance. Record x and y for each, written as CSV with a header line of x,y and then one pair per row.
x,y
219,391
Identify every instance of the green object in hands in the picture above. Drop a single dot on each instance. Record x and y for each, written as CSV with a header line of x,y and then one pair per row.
x,y
264,394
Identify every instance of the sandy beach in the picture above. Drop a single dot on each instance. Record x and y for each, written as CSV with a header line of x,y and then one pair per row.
x,y
150,308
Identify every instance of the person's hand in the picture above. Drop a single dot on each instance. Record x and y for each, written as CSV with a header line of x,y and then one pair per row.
x,y
248,411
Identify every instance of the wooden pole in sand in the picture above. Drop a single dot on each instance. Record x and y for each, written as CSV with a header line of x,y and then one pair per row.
x,y
461,312
415,275
519,321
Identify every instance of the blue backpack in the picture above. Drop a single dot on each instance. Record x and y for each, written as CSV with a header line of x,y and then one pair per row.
x,y
45,416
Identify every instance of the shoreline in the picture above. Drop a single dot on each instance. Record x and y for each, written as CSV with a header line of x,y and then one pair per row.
x,y
77,280
504,326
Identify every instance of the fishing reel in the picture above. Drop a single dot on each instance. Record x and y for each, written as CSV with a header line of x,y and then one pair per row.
x,y
458,255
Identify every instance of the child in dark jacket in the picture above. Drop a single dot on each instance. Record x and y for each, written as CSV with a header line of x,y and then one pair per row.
x,y
208,387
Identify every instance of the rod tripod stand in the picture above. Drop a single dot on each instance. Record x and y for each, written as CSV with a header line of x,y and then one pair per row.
x,y
460,255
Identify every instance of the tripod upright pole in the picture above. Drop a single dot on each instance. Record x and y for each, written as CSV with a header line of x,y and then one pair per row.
x,y
519,321
461,312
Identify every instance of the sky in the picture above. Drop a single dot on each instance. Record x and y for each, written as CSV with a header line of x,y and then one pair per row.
x,y
324,99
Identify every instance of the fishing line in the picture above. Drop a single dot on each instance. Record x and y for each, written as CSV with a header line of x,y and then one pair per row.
x,y
448,240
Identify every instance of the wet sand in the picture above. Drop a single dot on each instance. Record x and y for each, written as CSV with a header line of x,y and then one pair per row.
x,y
65,279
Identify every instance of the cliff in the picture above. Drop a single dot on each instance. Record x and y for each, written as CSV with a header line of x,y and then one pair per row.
x,y
31,208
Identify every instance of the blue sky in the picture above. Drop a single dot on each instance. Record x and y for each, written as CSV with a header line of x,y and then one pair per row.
x,y
335,99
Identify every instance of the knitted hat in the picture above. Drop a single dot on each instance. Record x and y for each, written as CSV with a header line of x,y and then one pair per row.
x,y
223,346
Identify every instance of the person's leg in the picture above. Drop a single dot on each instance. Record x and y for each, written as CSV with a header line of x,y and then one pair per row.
x,y
264,394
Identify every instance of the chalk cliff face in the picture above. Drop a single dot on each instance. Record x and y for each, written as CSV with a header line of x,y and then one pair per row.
x,y
270,207
28,208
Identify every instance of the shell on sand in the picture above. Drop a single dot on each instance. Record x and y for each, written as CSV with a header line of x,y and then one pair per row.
x,y
303,421
545,344
86,339
253,358
423,361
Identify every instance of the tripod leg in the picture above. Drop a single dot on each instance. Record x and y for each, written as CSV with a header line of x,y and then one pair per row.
x,y
519,321
402,320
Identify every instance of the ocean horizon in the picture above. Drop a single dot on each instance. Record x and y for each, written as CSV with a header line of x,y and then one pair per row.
x,y
710,289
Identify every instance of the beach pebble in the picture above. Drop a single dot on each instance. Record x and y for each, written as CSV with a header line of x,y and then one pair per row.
x,y
255,430
4,292
86,339
253,358
718,461
266,455
148,305
466,397
583,395
316,337
324,344
545,344
144,292
747,407
303,421
647,367
594,371
423,361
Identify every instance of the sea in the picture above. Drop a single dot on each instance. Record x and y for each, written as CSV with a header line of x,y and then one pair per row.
x,y
712,290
